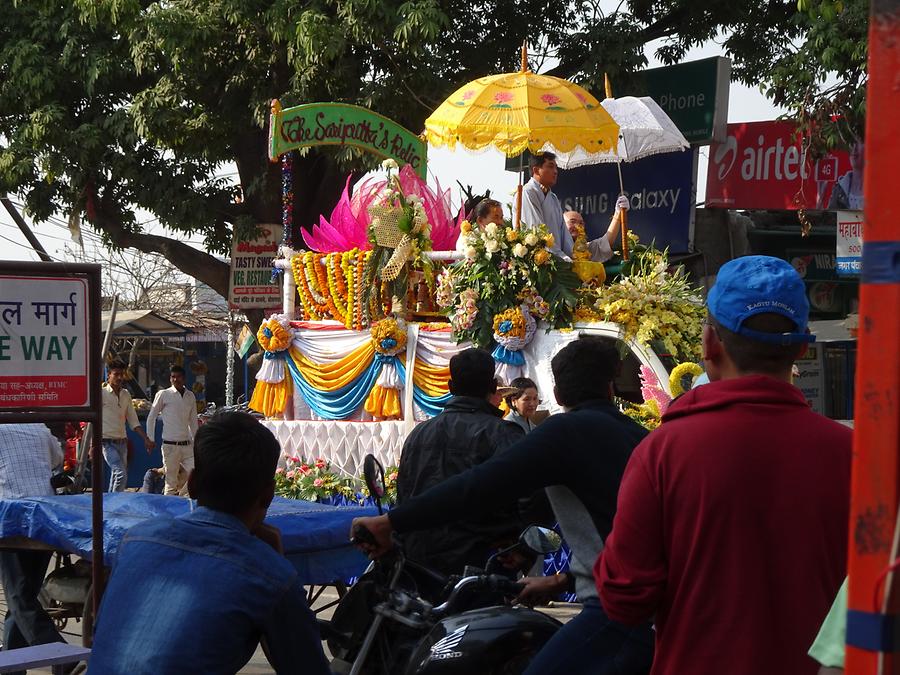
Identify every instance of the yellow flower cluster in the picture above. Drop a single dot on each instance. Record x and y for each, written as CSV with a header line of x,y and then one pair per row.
x,y
679,373
273,337
647,414
655,305
388,336
516,326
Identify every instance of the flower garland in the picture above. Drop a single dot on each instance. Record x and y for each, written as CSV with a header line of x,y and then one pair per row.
x,y
678,375
337,285
273,336
312,310
330,286
513,329
389,337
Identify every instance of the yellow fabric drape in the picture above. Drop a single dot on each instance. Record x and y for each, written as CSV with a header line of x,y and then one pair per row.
x,y
333,376
270,398
383,403
432,380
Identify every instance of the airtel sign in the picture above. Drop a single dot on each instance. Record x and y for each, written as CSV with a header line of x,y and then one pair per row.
x,y
761,165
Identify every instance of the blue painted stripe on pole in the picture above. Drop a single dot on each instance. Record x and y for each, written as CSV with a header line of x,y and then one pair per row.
x,y
881,262
870,631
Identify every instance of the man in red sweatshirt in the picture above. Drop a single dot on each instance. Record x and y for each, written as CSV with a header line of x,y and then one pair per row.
x,y
731,527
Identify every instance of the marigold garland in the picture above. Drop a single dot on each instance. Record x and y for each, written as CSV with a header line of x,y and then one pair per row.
x,y
509,323
389,337
273,337
311,309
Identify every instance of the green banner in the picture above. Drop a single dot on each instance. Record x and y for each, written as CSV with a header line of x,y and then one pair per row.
x,y
314,124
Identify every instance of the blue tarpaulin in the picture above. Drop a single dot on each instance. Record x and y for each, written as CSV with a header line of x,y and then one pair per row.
x,y
315,536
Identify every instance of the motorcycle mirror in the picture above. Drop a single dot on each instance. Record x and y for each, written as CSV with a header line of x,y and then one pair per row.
x,y
373,473
540,540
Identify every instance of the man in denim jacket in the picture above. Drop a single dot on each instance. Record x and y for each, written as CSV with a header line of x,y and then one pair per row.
x,y
197,593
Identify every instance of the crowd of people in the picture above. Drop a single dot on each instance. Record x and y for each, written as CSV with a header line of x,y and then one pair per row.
x,y
715,544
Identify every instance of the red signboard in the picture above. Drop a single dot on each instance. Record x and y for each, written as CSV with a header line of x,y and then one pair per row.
x,y
762,165
44,344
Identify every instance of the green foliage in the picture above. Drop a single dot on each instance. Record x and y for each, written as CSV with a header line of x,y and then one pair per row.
x,y
822,78
109,106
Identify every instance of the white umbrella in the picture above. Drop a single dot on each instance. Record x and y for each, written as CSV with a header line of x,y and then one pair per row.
x,y
644,130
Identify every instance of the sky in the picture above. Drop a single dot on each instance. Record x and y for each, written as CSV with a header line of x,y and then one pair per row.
x,y
480,170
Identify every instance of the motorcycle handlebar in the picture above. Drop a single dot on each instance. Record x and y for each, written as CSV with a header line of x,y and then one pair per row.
x,y
362,535
494,582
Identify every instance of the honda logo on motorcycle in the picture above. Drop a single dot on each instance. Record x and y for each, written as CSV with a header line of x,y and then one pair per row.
x,y
445,648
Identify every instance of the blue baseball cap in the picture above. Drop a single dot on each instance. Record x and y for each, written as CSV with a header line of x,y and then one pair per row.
x,y
757,284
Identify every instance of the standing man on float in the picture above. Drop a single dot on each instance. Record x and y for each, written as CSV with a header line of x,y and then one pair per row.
x,y
540,206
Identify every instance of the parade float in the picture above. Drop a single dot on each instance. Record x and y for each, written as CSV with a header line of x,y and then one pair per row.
x,y
379,300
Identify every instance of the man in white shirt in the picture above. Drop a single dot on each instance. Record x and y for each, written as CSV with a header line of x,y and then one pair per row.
x,y
117,410
28,453
541,206
177,408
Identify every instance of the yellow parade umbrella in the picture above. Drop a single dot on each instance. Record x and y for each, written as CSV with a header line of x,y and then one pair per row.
x,y
514,112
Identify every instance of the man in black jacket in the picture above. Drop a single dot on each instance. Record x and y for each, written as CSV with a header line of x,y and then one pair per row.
x,y
579,457
468,432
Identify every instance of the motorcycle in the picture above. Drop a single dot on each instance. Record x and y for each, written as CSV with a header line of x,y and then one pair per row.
x,y
390,622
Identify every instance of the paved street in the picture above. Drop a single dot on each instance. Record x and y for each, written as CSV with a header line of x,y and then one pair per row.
x,y
258,664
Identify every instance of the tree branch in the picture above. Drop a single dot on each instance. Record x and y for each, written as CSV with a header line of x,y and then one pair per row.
x,y
203,266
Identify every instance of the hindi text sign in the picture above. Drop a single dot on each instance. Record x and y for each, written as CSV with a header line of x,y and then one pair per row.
x,y
43,342
849,243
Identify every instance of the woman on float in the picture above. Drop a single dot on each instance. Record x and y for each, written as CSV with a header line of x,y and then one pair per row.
x,y
486,211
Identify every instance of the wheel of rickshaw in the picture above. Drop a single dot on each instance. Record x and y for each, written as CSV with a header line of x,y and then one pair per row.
x,y
54,610
313,593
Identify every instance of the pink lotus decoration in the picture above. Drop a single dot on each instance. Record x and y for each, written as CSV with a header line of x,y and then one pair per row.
x,y
349,223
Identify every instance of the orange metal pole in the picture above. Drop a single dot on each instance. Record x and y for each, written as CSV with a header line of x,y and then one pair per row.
x,y
873,639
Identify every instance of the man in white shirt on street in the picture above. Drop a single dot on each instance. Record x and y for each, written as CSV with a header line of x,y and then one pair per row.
x,y
28,453
177,408
117,411
540,206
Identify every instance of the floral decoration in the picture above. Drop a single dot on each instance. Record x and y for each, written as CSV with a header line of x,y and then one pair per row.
x,y
274,334
400,234
330,286
314,480
551,99
653,304
681,375
389,337
504,269
514,328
